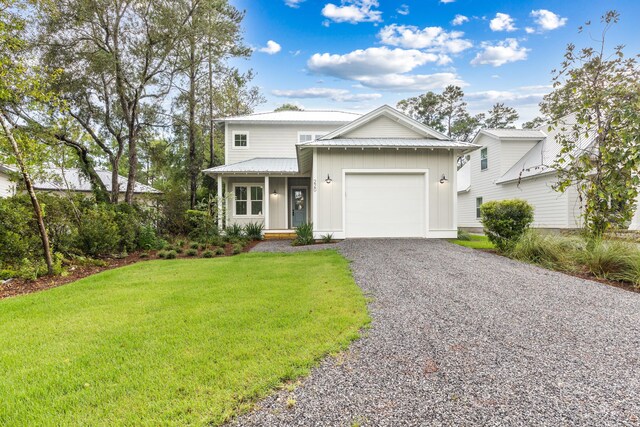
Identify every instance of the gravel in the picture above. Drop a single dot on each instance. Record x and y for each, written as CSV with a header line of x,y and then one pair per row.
x,y
464,337
286,246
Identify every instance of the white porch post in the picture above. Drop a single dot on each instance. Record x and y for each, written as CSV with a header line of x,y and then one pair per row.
x,y
314,189
220,199
286,202
266,196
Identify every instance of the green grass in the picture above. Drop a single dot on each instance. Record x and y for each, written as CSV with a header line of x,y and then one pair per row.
x,y
476,242
191,341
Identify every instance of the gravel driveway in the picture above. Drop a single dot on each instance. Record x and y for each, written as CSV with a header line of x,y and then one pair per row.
x,y
463,337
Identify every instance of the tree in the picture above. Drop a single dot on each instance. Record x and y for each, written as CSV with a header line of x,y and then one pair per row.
x,y
21,88
452,106
595,105
466,126
424,108
288,107
501,117
534,123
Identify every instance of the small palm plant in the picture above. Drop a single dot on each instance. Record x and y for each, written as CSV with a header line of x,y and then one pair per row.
x,y
304,235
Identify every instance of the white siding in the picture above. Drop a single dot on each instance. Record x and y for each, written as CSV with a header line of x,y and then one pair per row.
x,y
551,207
7,188
334,161
635,222
277,140
511,151
382,127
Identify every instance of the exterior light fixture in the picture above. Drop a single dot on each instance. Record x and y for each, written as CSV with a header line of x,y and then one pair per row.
x,y
443,179
275,193
328,180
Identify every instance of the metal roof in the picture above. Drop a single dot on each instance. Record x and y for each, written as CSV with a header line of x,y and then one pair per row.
x,y
258,165
389,143
304,116
515,133
74,180
7,169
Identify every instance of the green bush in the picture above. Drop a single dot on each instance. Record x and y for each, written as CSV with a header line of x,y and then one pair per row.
x,y
194,245
162,254
549,250
304,235
171,255
207,254
98,234
178,250
19,237
191,252
610,259
506,221
253,230
464,236
144,255
202,225
327,238
148,239
220,251
237,248
233,231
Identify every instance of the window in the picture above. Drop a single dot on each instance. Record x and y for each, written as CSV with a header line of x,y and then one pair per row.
x,y
309,136
484,160
248,199
478,204
240,140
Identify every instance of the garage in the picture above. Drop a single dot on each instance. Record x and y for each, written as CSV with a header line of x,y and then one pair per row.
x,y
385,204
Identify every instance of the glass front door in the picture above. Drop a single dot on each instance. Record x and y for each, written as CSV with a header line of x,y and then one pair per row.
x,y
298,206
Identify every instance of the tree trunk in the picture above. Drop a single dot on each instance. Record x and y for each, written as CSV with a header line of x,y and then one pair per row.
x,y
193,166
32,195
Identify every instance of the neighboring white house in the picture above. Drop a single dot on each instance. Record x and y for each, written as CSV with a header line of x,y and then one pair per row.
x,y
516,163
382,174
57,181
7,187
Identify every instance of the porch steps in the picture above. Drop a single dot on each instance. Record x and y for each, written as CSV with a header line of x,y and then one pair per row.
x,y
279,235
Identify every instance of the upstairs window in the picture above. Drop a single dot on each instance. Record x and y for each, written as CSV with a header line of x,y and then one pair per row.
x,y
309,136
240,140
484,159
478,204
249,200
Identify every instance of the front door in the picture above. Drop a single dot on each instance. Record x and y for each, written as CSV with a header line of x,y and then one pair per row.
x,y
298,206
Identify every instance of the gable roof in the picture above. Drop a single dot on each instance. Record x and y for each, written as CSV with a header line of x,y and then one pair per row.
x,y
389,143
303,116
74,180
391,113
513,133
258,165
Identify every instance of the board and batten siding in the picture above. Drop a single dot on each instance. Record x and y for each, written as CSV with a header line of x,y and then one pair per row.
x,y
513,150
551,207
382,127
334,161
268,140
6,186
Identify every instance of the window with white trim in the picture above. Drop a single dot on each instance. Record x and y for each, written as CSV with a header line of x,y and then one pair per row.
x,y
478,204
240,140
248,200
484,159
309,136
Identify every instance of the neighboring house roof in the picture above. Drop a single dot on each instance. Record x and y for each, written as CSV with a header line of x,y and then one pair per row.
x,y
74,180
258,165
464,178
513,133
304,116
7,169
388,143
392,113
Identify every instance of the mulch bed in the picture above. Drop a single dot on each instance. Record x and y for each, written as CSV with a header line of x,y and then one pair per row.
x,y
16,287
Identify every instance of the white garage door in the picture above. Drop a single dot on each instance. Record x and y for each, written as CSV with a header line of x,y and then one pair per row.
x,y
385,205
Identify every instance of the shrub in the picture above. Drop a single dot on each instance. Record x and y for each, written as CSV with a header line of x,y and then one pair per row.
x,y
464,236
327,238
18,232
98,234
178,250
194,245
171,255
144,255
237,248
207,254
179,243
253,230
148,239
233,231
162,254
610,259
202,225
220,251
304,235
548,250
192,252
506,221
128,221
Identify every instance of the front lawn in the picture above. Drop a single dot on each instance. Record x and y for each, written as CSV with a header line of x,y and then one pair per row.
x,y
476,242
173,342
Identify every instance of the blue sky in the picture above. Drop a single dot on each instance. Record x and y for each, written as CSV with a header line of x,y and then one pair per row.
x,y
358,54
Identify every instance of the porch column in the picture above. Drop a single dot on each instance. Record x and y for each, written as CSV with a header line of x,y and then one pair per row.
x,y
266,197
220,200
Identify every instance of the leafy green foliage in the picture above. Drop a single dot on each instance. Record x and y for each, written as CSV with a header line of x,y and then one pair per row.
x,y
596,98
220,251
327,238
463,235
549,250
253,230
501,117
208,254
191,252
505,221
171,255
304,235
234,231
475,242
98,233
237,248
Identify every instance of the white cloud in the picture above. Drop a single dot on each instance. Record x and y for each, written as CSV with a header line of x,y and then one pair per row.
x,y
525,99
502,22
384,68
547,20
295,52
530,30
353,11
459,20
447,1
338,95
403,9
500,53
433,38
293,3
271,48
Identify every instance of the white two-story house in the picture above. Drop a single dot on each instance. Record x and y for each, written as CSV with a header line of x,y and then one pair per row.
x,y
518,164
381,174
